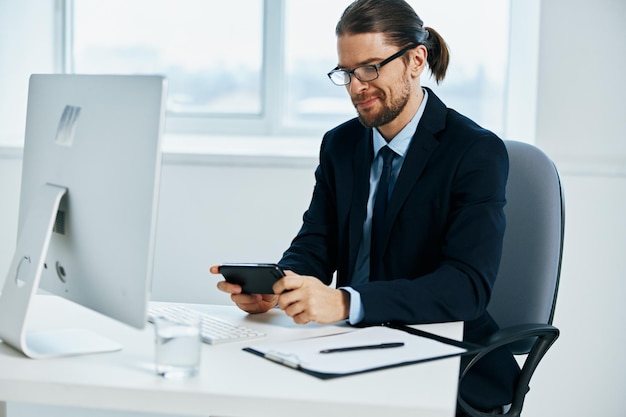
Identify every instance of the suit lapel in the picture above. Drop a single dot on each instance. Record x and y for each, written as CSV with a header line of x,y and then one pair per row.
x,y
422,147
361,171
417,157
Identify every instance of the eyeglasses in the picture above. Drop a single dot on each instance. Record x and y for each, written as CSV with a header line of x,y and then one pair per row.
x,y
363,73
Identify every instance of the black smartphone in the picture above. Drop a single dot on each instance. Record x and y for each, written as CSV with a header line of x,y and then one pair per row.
x,y
253,278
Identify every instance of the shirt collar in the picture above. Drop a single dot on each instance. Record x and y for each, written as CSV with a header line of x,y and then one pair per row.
x,y
400,143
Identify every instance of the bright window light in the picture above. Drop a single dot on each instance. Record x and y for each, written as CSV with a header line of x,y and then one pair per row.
x,y
227,60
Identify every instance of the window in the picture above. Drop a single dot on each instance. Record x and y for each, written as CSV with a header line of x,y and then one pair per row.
x,y
259,67
212,54
477,33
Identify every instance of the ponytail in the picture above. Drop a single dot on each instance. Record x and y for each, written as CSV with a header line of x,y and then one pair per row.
x,y
438,54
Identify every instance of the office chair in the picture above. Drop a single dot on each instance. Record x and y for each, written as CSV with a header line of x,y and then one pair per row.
x,y
525,292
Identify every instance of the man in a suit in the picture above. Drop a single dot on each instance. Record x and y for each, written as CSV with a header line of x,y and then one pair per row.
x,y
432,254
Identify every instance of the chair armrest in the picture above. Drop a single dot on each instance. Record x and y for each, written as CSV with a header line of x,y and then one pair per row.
x,y
520,338
544,336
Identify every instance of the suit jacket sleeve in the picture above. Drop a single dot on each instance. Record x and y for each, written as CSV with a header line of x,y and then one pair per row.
x,y
314,250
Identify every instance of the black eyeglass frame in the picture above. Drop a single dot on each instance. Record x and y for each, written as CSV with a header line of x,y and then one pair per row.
x,y
376,67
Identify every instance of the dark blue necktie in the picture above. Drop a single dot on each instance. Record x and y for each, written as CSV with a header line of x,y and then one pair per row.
x,y
378,215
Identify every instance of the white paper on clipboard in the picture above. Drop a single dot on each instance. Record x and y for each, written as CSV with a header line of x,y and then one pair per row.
x,y
305,354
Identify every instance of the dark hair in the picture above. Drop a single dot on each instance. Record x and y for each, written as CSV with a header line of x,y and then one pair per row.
x,y
401,26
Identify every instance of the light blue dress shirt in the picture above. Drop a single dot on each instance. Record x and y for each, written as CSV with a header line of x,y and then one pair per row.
x,y
399,144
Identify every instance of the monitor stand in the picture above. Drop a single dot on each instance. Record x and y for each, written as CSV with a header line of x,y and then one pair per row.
x,y
22,282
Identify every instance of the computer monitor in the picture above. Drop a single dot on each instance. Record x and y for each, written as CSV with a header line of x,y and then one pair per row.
x,y
88,205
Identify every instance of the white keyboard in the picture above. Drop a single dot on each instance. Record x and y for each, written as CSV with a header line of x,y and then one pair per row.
x,y
214,331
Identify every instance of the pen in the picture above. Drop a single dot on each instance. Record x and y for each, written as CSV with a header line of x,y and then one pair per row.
x,y
366,347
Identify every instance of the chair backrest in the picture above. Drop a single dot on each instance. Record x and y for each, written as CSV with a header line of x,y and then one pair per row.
x,y
528,278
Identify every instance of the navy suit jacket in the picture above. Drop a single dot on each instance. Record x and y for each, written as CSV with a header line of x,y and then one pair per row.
x,y
443,231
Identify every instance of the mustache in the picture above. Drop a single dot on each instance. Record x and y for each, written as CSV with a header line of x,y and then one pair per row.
x,y
361,98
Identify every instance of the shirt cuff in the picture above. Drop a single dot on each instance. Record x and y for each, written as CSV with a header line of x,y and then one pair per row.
x,y
357,311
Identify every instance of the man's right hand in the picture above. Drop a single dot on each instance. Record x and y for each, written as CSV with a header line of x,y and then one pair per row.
x,y
250,303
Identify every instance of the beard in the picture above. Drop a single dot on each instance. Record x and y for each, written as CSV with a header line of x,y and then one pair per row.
x,y
390,110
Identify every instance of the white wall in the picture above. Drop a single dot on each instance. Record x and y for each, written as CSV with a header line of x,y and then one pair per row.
x,y
217,208
581,85
224,213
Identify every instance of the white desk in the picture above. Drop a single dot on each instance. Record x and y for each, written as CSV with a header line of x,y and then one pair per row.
x,y
231,382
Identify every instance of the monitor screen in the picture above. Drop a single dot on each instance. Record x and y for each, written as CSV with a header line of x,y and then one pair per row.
x,y
88,200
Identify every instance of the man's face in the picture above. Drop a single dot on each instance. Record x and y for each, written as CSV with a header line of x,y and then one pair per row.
x,y
380,101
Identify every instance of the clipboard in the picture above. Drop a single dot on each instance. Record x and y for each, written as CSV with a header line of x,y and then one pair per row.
x,y
305,354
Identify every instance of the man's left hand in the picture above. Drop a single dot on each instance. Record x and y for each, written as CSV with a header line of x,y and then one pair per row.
x,y
307,299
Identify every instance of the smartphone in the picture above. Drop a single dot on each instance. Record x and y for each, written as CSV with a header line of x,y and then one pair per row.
x,y
253,278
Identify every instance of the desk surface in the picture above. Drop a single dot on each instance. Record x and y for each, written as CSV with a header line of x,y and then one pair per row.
x,y
231,382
